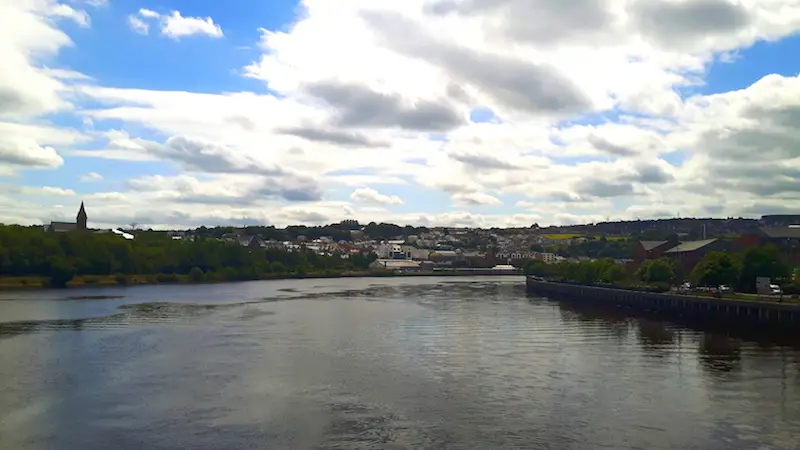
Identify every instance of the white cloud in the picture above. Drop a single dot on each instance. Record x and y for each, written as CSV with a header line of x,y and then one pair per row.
x,y
150,14
138,25
174,25
36,191
177,26
94,3
91,176
369,195
475,199
30,36
379,94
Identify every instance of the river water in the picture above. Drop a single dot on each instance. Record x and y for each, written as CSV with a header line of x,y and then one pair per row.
x,y
403,363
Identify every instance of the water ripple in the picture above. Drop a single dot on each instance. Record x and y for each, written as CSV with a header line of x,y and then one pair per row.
x,y
388,364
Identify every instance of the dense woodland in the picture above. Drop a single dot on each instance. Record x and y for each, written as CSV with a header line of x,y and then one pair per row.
x,y
29,251
738,270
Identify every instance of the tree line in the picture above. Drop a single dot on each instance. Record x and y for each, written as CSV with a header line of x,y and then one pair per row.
x,y
29,251
342,231
738,270
591,247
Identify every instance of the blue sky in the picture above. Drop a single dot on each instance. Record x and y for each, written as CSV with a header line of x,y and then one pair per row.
x,y
478,153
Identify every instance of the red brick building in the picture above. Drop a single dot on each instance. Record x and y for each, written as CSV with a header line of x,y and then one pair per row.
x,y
787,239
652,249
687,254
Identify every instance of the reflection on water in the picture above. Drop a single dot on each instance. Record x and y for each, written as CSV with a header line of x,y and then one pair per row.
x,y
720,353
380,364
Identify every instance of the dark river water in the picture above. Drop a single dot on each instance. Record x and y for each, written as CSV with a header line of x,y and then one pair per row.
x,y
468,363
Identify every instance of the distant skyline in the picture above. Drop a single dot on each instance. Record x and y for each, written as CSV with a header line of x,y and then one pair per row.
x,y
478,113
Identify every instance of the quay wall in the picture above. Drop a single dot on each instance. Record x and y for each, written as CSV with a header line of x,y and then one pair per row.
x,y
766,312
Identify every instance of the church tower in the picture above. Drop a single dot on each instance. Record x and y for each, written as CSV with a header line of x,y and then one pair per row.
x,y
82,218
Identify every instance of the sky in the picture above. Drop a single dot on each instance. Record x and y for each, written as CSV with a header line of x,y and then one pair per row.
x,y
478,113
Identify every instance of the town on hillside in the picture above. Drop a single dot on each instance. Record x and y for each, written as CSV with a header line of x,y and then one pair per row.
x,y
629,243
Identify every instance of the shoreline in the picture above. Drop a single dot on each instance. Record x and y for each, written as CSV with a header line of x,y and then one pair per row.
x,y
31,283
785,314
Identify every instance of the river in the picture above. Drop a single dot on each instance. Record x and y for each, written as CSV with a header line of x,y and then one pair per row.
x,y
396,363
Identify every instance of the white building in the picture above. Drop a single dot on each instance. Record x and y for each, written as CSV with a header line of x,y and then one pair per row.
x,y
549,258
394,264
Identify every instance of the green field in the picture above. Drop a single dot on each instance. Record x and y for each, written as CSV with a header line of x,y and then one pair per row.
x,y
568,236
561,237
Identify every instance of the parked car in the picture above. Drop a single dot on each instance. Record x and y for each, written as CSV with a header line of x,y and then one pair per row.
x,y
724,288
775,289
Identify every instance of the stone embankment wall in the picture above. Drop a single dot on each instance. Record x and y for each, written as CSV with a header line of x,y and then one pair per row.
x,y
684,305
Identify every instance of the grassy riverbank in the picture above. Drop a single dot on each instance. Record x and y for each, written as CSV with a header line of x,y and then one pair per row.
x,y
33,282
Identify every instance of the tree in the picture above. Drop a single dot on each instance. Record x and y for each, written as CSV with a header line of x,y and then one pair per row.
x,y
61,272
613,274
538,268
716,268
197,275
762,262
29,251
656,271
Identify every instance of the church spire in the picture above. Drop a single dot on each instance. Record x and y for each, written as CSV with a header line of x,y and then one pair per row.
x,y
82,218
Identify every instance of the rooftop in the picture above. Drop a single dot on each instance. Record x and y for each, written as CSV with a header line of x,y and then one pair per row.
x,y
690,246
649,245
781,232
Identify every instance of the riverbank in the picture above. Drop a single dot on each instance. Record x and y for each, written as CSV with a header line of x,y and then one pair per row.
x,y
753,310
31,282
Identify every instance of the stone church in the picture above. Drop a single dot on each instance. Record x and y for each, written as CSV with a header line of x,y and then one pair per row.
x,y
79,224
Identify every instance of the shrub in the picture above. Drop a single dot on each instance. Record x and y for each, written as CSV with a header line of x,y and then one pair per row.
x,y
197,275
167,278
121,279
89,279
61,273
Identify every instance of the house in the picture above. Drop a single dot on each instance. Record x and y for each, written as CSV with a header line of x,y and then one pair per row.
x,y
688,254
80,223
392,250
787,239
548,258
443,256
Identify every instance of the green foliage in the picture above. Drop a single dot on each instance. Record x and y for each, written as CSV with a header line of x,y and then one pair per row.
x,y
598,248
717,268
614,274
29,251
762,262
538,268
337,231
61,272
166,278
91,279
121,279
656,271
197,275
604,270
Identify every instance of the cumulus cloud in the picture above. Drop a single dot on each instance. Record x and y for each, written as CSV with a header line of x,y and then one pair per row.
x,y
30,35
474,199
174,25
138,25
586,98
361,107
369,195
91,176
32,146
